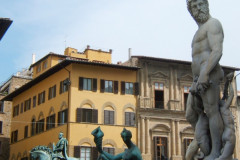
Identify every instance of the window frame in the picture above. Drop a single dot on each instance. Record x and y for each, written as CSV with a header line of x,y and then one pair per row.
x,y
130,118
108,86
62,117
109,119
52,92
51,122
160,87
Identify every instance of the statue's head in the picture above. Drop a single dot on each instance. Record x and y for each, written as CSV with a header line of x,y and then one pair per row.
x,y
199,10
126,135
60,136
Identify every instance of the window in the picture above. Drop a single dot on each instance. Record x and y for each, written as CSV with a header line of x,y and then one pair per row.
x,y
89,84
185,96
38,68
40,126
186,143
129,118
160,148
21,108
1,126
159,95
64,85
33,130
129,88
45,64
34,101
109,86
41,97
26,132
15,110
87,115
109,150
27,105
14,136
85,153
62,117
108,117
1,106
51,122
52,92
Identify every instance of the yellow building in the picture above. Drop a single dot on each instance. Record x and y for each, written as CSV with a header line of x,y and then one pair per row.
x,y
74,93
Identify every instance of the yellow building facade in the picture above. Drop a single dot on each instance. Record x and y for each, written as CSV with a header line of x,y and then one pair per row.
x,y
74,95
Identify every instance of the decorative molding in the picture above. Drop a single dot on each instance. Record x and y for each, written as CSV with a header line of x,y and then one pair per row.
x,y
40,115
161,127
159,74
186,78
51,111
129,105
87,101
63,106
109,141
107,104
187,130
86,140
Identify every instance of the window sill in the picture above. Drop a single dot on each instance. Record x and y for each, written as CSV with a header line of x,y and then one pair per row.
x,y
2,112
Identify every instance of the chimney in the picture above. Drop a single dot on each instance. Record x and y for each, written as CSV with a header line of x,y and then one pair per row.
x,y
129,53
33,58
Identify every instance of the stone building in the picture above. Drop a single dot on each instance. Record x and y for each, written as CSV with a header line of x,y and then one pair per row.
x,y
8,87
164,86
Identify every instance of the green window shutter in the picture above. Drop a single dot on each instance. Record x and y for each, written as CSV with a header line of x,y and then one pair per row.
x,y
80,87
76,151
94,153
95,116
49,93
136,89
102,85
115,87
79,114
94,88
122,87
61,87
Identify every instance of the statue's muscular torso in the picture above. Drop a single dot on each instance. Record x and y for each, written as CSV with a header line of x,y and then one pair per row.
x,y
201,50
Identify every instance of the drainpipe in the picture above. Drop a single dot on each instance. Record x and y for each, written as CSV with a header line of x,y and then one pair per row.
x,y
68,103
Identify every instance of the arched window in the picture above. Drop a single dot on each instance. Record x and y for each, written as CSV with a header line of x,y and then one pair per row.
x,y
108,115
87,114
129,117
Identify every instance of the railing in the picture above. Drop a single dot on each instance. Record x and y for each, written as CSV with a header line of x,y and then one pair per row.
x,y
159,104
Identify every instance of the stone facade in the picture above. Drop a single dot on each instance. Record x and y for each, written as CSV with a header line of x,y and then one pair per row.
x,y
162,127
6,112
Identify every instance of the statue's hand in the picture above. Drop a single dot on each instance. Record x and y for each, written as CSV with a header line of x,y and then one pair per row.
x,y
202,83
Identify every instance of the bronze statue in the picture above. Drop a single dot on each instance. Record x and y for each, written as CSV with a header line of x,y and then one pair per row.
x,y
132,153
203,102
60,149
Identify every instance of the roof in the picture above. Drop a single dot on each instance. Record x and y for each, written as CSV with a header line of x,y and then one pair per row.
x,y
58,67
177,61
45,57
4,25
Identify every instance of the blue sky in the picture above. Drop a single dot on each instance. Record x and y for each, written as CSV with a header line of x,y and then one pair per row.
x,y
154,28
